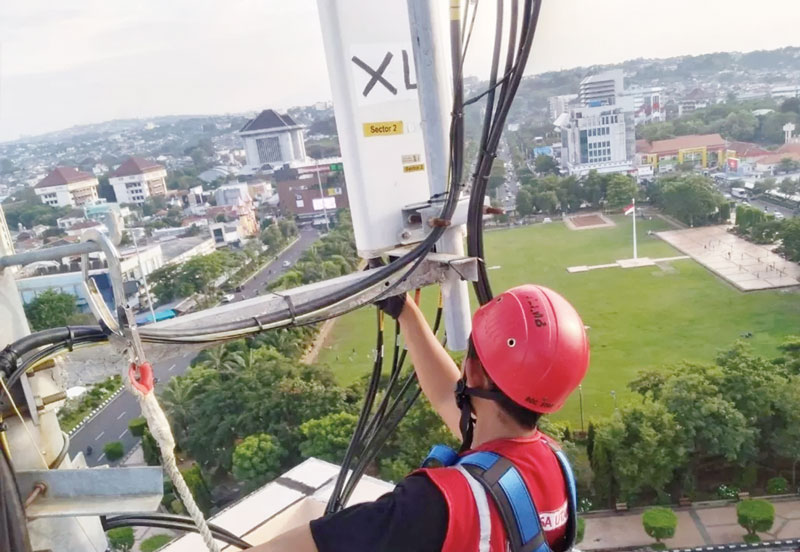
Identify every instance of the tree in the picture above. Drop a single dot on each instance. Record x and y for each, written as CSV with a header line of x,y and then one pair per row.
x,y
659,523
114,450
50,309
524,202
198,487
151,544
546,202
791,104
638,448
120,539
137,426
544,164
328,437
620,190
755,516
790,239
257,459
787,165
690,198
789,186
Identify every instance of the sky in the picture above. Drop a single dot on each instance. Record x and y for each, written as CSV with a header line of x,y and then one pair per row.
x,y
86,61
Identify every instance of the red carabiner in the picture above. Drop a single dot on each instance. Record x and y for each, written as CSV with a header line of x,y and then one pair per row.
x,y
141,377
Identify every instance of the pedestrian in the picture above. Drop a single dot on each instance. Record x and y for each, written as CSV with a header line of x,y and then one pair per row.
x,y
527,353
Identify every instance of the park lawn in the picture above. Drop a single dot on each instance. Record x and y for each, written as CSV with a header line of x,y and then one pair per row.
x,y
642,318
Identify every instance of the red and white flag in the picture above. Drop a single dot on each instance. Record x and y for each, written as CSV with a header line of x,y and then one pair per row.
x,y
629,209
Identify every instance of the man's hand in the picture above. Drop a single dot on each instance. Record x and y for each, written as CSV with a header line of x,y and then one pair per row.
x,y
393,305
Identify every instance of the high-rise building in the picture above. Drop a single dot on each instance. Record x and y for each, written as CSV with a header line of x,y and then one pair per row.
x,y
599,134
601,89
648,104
67,187
560,104
138,179
271,141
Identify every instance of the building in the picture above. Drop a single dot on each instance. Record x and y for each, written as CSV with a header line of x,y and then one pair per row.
x,y
99,211
701,150
786,91
271,141
294,498
67,187
599,134
299,193
233,194
694,100
648,105
138,179
560,104
601,89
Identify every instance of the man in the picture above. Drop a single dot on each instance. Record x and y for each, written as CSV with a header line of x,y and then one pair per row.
x,y
528,351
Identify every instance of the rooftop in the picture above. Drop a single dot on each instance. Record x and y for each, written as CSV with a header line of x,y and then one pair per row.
x,y
269,120
680,143
294,498
61,176
136,165
174,247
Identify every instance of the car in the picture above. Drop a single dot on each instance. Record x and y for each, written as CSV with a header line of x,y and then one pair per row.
x,y
228,297
286,264
239,289
779,215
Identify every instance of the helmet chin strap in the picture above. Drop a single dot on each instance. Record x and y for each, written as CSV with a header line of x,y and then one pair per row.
x,y
467,422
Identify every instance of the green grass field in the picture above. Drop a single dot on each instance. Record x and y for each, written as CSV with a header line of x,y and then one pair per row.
x,y
640,318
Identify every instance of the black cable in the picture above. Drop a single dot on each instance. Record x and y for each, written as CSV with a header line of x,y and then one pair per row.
x,y
61,454
353,448
13,524
155,520
159,516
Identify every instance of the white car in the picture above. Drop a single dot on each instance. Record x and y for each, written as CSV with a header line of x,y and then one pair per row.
x,y
228,297
286,264
779,216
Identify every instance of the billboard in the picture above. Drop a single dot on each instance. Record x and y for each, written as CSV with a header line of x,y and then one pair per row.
x,y
324,203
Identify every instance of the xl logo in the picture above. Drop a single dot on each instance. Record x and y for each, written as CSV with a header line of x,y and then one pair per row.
x,y
383,73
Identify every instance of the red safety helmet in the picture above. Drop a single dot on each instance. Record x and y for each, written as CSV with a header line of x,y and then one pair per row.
x,y
533,345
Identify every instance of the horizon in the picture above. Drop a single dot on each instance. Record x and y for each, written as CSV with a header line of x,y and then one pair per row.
x,y
190,59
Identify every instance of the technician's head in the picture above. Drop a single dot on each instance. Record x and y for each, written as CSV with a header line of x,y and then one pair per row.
x,y
528,352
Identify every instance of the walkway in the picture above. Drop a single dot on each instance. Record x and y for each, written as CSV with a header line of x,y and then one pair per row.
x,y
697,526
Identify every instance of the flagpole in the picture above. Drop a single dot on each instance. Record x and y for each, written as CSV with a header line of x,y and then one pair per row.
x,y
633,201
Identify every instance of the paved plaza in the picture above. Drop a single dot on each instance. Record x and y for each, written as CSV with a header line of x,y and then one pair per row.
x,y
746,265
697,526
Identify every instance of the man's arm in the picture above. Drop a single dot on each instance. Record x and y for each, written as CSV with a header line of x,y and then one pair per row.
x,y
298,539
436,371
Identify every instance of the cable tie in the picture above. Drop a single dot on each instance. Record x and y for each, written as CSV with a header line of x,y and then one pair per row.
x,y
290,304
70,338
259,324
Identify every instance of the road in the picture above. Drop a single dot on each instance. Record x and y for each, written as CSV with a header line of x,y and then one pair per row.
x,y
111,423
507,195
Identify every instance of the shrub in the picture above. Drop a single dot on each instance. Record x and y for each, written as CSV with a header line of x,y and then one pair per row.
x,y
581,529
659,523
120,539
755,515
777,485
154,543
136,426
748,477
727,492
114,450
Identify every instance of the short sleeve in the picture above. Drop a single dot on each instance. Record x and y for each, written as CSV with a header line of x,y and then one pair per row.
x,y
411,518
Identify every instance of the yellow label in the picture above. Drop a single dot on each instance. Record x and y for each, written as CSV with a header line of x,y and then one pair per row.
x,y
383,128
414,168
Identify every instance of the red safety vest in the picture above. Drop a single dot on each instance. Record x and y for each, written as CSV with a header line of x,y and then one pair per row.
x,y
467,503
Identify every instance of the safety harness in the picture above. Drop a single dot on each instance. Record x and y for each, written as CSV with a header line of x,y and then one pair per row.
x,y
490,472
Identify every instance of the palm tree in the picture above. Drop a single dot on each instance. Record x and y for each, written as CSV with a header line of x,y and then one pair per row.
x,y
176,398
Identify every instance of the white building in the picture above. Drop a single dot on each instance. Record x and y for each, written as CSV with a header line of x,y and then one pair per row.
x,y
648,104
233,194
67,187
601,89
138,179
272,141
786,91
600,133
560,104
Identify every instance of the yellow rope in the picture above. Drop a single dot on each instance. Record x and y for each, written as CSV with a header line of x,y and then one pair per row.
x,y
24,425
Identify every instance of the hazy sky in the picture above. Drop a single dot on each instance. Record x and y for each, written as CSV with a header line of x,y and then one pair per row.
x,y
82,61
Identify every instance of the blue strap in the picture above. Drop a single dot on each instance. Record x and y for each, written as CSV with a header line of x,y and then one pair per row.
x,y
525,513
483,459
572,497
442,454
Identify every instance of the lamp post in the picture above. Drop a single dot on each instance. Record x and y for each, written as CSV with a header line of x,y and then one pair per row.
x,y
580,397
614,396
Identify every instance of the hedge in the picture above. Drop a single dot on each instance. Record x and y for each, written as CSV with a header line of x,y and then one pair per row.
x,y
660,523
755,515
114,450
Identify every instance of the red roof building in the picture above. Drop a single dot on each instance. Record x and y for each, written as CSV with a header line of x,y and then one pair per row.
x,y
137,179
701,150
67,187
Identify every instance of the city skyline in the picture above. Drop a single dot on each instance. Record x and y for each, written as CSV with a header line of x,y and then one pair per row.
x,y
201,58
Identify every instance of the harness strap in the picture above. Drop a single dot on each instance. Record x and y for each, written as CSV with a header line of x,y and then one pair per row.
x,y
572,497
503,482
484,515
442,454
